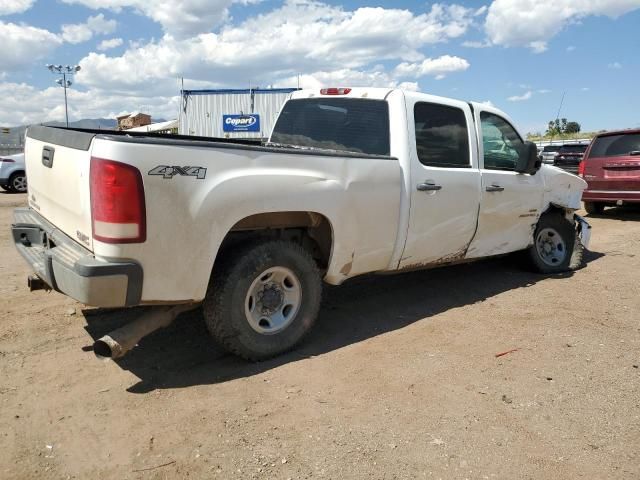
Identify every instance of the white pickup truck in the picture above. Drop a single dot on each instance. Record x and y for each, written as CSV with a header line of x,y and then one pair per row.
x,y
351,181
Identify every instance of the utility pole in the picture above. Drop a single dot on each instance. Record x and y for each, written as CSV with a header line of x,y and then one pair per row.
x,y
65,71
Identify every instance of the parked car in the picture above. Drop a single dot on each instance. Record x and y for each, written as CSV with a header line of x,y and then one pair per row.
x,y
611,167
352,181
569,156
13,177
548,153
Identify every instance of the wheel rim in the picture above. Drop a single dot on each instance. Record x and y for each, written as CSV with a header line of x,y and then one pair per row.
x,y
550,247
20,183
273,300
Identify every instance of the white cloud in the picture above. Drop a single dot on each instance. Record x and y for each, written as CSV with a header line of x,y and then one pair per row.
x,y
585,89
521,98
81,32
180,18
437,67
488,103
571,48
325,44
25,104
544,90
475,44
24,44
531,23
299,37
9,7
615,66
109,44
184,18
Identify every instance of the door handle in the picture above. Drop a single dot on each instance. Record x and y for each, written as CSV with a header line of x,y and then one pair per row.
x,y
428,187
494,188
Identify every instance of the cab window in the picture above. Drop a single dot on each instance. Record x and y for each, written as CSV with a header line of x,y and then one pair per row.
x,y
442,138
500,141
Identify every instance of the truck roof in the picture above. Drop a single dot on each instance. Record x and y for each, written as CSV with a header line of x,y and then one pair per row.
x,y
355,92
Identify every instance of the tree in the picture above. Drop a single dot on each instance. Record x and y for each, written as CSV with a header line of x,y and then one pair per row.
x,y
552,129
572,127
560,126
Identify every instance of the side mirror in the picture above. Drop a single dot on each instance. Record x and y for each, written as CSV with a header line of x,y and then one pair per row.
x,y
528,160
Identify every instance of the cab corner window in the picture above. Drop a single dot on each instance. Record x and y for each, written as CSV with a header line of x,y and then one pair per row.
x,y
501,143
442,138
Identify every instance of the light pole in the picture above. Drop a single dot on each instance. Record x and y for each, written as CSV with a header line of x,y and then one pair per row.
x,y
65,71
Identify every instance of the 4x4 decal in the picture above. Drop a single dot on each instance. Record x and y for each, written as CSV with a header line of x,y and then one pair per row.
x,y
169,172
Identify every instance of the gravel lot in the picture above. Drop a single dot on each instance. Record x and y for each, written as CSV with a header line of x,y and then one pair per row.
x,y
399,380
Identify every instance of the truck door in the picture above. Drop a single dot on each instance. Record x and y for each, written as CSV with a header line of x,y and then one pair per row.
x,y
511,201
445,180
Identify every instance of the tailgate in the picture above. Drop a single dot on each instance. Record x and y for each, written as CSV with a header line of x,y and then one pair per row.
x,y
57,163
613,173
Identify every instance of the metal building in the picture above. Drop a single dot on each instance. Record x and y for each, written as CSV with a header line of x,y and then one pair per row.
x,y
248,113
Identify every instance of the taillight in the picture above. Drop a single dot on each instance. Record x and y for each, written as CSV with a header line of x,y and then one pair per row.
x,y
581,169
117,202
335,91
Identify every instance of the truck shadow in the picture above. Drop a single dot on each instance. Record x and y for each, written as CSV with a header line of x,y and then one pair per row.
x,y
184,354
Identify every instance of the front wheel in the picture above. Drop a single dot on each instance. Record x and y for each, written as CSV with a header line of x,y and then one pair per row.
x,y
553,246
263,299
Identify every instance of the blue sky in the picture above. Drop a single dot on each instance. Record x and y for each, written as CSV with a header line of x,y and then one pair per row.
x,y
520,55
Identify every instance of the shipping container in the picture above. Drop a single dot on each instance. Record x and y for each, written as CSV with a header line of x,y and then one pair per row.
x,y
231,113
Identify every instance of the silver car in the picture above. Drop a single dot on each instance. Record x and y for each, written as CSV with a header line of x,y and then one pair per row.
x,y
549,153
13,176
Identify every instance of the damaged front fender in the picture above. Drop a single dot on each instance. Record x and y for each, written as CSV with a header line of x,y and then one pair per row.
x,y
562,189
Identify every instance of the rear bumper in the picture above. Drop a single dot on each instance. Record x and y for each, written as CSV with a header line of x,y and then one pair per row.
x,y
69,268
612,196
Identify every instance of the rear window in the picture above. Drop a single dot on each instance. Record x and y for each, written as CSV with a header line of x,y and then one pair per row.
x,y
352,125
573,149
615,145
551,148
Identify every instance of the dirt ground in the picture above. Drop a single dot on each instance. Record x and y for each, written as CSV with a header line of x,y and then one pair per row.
x,y
398,380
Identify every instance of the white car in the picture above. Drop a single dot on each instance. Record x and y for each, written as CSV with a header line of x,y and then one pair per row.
x,y
13,177
352,181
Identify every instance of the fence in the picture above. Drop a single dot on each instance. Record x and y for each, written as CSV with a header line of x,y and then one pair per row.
x,y
10,149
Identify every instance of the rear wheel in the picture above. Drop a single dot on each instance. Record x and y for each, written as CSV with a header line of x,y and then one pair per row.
x,y
554,241
18,182
594,208
263,299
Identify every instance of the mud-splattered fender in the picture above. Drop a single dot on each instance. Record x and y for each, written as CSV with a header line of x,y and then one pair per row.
x,y
561,189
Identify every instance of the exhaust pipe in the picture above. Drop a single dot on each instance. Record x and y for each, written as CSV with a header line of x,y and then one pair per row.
x,y
117,343
36,283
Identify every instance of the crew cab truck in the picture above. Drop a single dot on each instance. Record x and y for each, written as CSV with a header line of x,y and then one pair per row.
x,y
351,181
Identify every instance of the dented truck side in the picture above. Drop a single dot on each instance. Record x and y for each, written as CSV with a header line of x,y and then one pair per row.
x,y
441,182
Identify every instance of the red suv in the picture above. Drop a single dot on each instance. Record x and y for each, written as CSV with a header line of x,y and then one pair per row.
x,y
611,167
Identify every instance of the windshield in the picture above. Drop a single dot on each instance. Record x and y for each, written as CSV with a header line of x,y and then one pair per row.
x,y
352,125
616,145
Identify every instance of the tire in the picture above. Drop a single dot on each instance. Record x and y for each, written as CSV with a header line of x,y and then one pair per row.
x,y
554,242
263,299
18,182
594,208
